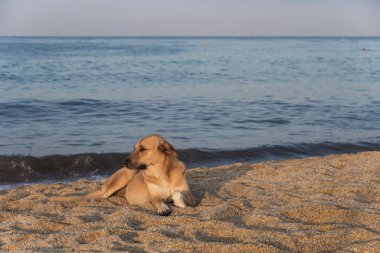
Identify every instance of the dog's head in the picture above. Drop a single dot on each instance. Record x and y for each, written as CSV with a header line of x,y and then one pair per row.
x,y
152,150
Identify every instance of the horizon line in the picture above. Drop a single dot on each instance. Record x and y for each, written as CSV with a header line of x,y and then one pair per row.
x,y
194,36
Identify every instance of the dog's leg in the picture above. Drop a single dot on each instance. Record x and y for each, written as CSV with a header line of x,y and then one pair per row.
x,y
113,184
162,208
178,199
116,182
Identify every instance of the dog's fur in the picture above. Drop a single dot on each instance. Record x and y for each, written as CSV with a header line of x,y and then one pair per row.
x,y
152,173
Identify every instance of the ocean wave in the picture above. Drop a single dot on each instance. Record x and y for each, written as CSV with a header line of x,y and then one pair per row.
x,y
23,169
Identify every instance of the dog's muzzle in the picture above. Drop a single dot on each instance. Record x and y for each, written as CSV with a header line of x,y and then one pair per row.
x,y
128,163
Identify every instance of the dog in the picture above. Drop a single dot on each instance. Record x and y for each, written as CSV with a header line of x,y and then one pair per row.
x,y
151,174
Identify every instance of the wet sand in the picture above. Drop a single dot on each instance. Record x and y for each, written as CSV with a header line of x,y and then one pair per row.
x,y
305,205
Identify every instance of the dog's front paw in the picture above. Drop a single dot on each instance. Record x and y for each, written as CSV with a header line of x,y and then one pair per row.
x,y
165,212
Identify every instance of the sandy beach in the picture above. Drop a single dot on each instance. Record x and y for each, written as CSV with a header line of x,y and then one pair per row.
x,y
305,205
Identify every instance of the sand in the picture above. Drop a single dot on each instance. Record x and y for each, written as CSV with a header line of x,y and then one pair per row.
x,y
305,205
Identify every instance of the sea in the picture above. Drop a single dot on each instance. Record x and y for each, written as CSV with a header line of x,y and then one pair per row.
x,y
72,107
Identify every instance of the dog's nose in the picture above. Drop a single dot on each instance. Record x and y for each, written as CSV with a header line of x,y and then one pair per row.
x,y
126,162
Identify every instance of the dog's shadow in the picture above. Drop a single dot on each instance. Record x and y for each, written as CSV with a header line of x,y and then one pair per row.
x,y
209,181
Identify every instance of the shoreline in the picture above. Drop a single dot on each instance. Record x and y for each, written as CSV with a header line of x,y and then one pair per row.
x,y
311,204
29,169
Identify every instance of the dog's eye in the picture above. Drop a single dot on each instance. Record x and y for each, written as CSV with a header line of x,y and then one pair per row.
x,y
142,149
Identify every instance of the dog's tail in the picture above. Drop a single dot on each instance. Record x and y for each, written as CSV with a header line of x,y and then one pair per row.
x,y
93,195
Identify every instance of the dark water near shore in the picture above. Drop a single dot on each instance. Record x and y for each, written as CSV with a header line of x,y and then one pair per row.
x,y
74,106
21,169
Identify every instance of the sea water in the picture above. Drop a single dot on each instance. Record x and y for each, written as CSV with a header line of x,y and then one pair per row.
x,y
215,99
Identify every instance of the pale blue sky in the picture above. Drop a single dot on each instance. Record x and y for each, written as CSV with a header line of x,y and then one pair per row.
x,y
190,17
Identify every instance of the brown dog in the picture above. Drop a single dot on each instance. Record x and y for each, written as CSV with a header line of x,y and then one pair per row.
x,y
152,174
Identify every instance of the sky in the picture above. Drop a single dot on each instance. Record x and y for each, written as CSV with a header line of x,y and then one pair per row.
x,y
189,17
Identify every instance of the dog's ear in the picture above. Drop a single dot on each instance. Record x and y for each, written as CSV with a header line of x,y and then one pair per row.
x,y
167,149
